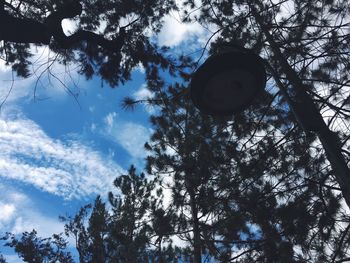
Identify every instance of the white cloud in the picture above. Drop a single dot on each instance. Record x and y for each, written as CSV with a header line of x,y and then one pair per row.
x,y
143,94
3,66
109,119
45,226
92,109
12,88
67,169
174,32
140,68
19,213
7,212
93,127
131,136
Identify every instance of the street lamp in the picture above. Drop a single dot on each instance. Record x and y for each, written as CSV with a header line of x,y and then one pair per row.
x,y
227,82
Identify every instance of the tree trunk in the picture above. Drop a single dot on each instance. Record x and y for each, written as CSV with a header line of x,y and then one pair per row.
x,y
196,230
309,116
20,30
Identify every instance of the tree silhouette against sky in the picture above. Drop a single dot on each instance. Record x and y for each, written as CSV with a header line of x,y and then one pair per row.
x,y
255,171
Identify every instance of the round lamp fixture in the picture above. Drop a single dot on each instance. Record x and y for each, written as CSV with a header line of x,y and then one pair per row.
x,y
227,82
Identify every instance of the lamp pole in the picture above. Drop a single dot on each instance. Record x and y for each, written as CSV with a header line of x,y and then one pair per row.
x,y
308,115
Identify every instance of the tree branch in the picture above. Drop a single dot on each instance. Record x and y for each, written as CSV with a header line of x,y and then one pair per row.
x,y
25,30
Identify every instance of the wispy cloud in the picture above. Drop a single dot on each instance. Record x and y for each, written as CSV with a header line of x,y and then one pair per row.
x,y
109,119
65,168
130,135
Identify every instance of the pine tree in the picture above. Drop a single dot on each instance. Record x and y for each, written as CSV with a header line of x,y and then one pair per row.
x,y
139,224
132,229
246,189
98,231
33,249
188,148
251,188
76,227
129,230
305,46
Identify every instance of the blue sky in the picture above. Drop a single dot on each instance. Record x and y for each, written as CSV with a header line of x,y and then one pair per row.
x,y
57,153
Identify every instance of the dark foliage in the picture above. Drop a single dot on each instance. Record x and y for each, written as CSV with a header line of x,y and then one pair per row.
x,y
251,188
33,249
111,39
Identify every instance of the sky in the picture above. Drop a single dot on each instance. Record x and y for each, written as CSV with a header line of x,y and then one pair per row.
x,y
57,152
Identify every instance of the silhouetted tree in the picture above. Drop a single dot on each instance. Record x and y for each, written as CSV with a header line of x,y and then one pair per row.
x,y
76,227
245,189
306,49
251,188
34,249
139,224
98,231
162,225
129,227
130,231
110,41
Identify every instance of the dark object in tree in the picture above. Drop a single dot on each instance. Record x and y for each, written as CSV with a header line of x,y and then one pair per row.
x,y
24,30
228,81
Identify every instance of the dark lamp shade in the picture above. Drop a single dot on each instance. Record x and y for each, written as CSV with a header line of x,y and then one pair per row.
x,y
227,82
